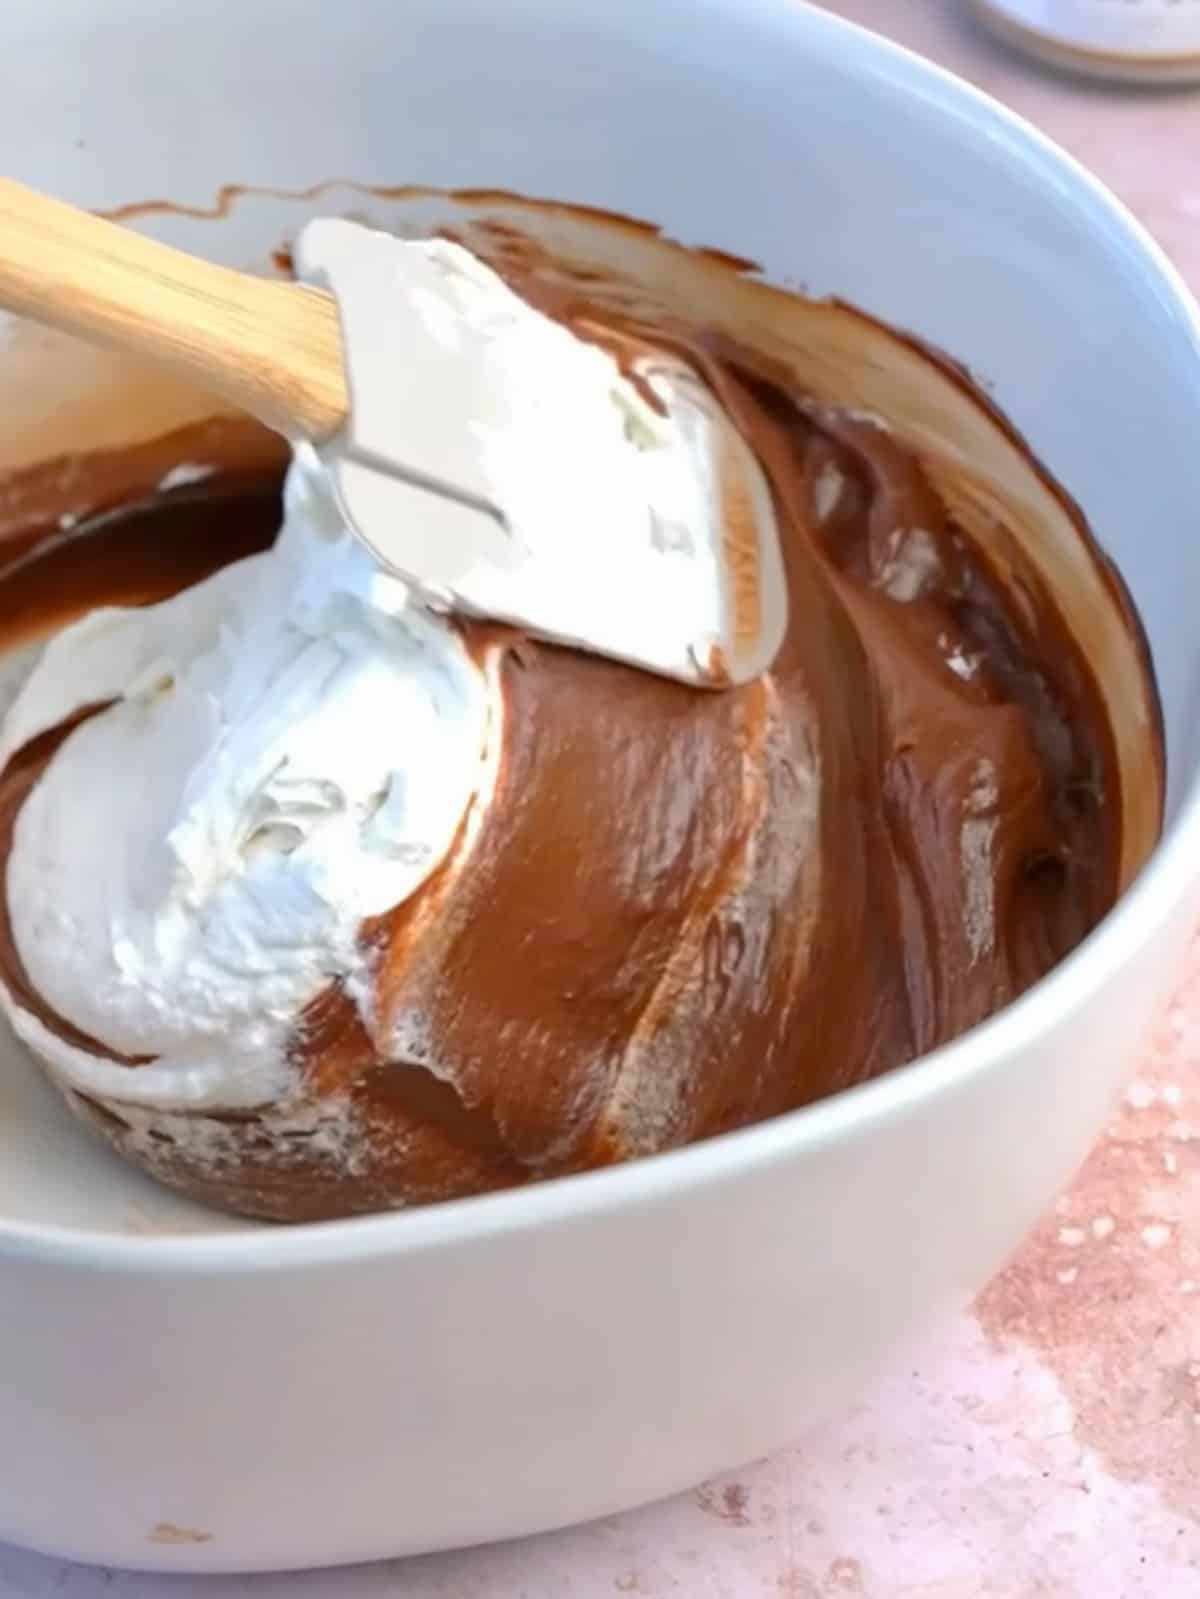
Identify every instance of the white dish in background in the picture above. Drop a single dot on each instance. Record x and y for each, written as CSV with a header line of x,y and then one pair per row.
x,y
1136,41
188,1392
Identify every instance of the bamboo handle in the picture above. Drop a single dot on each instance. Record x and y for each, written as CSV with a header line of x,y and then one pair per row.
x,y
273,348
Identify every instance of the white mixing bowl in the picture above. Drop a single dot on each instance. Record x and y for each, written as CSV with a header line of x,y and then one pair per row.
x,y
186,1392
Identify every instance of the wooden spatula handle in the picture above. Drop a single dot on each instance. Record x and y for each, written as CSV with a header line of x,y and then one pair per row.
x,y
273,348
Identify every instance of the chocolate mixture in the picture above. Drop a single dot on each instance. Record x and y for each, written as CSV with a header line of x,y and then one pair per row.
x,y
685,911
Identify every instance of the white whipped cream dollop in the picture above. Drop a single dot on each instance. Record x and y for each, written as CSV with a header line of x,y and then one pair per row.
x,y
641,533
292,747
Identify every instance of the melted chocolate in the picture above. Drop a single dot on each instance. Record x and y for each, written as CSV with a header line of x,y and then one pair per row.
x,y
684,911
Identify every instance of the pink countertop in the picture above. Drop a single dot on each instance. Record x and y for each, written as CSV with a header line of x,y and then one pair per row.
x,y
1049,1442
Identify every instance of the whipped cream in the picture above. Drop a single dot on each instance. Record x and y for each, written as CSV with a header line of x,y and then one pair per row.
x,y
616,520
291,748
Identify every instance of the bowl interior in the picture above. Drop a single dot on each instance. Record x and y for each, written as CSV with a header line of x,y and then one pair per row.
x,y
771,131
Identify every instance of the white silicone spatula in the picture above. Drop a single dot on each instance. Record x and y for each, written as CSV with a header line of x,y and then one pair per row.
x,y
471,447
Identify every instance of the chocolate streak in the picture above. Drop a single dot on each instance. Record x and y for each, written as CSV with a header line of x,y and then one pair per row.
x,y
682,911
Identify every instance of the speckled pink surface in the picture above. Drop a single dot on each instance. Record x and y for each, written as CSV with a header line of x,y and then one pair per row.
x,y
1047,1444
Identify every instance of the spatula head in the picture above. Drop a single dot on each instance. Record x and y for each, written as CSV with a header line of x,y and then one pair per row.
x,y
505,468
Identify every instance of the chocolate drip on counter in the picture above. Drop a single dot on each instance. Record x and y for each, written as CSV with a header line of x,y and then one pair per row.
x,y
685,911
